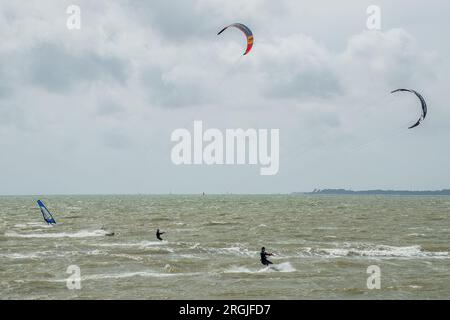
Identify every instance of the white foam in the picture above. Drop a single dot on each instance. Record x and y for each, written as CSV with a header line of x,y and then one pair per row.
x,y
19,255
234,251
379,251
79,234
32,225
189,256
169,268
218,222
235,269
195,246
417,235
141,244
282,267
96,253
130,275
126,256
74,208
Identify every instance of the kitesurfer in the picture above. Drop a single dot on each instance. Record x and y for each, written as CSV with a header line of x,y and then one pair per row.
x,y
264,255
158,235
108,233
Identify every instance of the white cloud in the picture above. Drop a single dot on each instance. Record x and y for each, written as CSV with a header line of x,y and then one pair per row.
x,y
84,105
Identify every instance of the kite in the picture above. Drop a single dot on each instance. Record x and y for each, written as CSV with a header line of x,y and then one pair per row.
x,y
248,33
423,103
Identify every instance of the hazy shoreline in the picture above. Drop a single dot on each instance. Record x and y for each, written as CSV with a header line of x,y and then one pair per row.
x,y
377,192
443,192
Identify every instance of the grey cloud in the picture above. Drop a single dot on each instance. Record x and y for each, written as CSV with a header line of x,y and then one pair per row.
x,y
307,75
316,84
5,90
116,139
181,21
178,21
6,77
169,91
390,59
56,69
108,108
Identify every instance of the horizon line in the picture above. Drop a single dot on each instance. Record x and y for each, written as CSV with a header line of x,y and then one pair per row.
x,y
218,194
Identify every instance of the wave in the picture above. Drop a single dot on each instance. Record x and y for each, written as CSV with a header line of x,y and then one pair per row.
x,y
79,234
125,256
19,255
161,219
237,251
218,223
74,208
130,275
141,244
282,267
236,269
29,225
376,251
285,267
195,245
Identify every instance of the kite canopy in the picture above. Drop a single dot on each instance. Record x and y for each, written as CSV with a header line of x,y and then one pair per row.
x,y
248,33
422,102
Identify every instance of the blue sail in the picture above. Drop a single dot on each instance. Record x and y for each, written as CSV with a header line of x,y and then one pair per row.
x,y
45,213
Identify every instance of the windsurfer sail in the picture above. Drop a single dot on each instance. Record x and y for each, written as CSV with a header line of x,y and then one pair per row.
x,y
45,213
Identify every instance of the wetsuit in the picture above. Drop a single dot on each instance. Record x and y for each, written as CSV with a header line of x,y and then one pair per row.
x,y
264,260
158,235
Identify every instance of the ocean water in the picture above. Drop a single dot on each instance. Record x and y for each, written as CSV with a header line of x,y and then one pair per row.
x,y
323,247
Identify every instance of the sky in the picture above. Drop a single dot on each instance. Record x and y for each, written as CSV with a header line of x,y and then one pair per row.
x,y
91,110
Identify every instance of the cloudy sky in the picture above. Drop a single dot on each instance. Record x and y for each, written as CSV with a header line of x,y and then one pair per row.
x,y
92,110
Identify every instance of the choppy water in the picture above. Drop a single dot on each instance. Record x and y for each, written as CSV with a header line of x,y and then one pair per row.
x,y
324,245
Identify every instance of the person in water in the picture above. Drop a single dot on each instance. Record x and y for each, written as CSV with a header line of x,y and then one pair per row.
x,y
158,235
108,233
264,255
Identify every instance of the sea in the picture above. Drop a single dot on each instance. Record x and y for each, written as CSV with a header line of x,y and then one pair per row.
x,y
324,246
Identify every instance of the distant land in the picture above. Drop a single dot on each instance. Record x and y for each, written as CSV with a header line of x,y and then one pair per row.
x,y
444,192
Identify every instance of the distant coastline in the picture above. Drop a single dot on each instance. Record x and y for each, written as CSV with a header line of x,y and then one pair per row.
x,y
444,192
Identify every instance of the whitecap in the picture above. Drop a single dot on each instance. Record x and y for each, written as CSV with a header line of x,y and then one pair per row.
x,y
79,234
